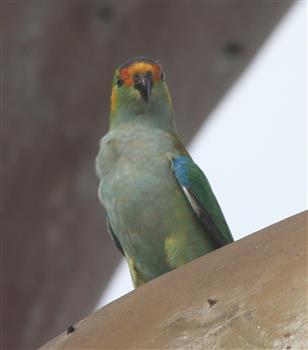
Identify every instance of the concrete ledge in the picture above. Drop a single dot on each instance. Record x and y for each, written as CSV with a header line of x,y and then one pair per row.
x,y
251,294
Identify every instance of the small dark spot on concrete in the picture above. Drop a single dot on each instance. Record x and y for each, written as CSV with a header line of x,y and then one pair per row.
x,y
232,48
248,315
211,302
105,12
287,335
288,347
70,329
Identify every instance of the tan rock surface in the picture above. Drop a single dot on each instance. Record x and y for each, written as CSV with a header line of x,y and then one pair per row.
x,y
251,294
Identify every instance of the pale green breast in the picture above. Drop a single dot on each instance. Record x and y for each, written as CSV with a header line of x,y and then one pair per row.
x,y
147,209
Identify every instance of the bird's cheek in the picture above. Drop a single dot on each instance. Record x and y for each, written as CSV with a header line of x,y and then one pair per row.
x,y
135,95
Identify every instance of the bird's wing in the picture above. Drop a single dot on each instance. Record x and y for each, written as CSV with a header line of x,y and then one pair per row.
x,y
201,198
114,237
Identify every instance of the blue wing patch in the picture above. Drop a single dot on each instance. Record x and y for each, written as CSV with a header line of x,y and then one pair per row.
x,y
201,198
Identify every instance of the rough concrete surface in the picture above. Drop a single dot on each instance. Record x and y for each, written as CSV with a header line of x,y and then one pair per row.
x,y
251,294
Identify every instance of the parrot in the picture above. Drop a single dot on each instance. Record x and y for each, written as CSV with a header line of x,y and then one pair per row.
x,y
161,212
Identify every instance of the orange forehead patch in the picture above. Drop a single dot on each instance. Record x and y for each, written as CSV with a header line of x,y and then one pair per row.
x,y
127,73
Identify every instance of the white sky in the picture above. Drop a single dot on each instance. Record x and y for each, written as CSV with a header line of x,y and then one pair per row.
x,y
254,147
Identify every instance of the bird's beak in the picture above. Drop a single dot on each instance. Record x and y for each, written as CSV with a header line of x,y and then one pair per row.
x,y
144,86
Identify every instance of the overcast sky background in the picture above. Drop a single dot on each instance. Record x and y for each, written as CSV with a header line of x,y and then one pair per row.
x,y
253,148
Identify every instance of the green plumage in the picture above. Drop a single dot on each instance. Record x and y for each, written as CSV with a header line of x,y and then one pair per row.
x,y
161,210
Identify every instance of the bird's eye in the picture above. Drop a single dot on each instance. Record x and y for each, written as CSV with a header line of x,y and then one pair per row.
x,y
119,82
162,76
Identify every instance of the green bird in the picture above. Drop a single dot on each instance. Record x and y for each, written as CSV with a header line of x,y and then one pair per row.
x,y
161,210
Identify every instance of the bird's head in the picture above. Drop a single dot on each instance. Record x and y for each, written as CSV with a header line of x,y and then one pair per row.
x,y
139,91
